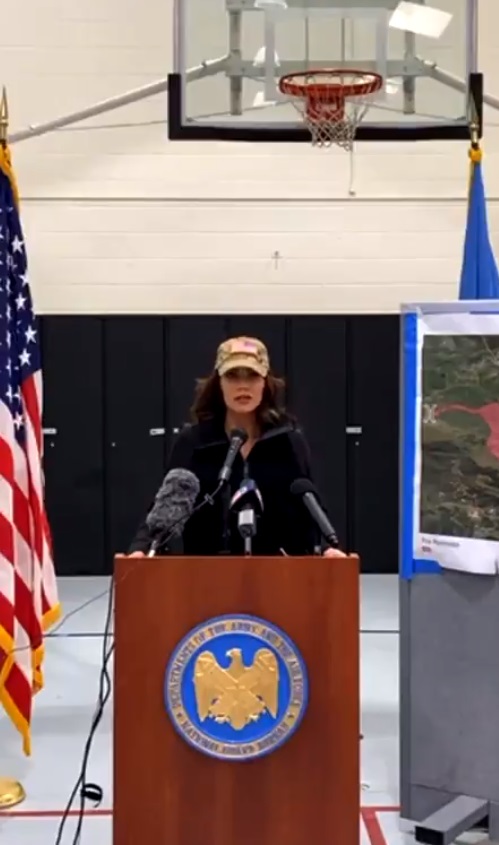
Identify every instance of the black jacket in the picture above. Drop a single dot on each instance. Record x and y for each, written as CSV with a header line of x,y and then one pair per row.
x,y
279,457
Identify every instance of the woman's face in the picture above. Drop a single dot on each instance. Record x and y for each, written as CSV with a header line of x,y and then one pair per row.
x,y
242,390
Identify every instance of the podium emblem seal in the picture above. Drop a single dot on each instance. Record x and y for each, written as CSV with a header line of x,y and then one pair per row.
x,y
236,687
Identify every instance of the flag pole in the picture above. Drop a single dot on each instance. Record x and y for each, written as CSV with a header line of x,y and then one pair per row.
x,y
11,791
475,136
4,116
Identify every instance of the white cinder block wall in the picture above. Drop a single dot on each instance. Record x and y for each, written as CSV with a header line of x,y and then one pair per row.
x,y
118,220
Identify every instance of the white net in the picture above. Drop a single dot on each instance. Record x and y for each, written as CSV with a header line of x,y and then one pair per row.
x,y
327,130
332,104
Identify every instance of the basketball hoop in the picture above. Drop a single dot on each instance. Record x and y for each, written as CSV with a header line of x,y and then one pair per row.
x,y
332,103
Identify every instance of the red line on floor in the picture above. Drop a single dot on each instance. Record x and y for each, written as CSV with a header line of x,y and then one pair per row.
x,y
369,816
372,824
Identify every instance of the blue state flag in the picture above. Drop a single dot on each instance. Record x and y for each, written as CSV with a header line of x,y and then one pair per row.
x,y
479,274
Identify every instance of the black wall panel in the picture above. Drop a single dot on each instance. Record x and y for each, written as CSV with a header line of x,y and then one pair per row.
x,y
373,391
316,376
134,390
74,441
190,350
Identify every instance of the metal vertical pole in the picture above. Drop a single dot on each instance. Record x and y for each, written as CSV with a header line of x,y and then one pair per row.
x,y
269,55
307,40
235,82
409,83
471,25
177,29
179,52
382,32
474,90
343,41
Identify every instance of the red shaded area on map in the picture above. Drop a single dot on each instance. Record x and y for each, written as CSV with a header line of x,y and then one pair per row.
x,y
489,414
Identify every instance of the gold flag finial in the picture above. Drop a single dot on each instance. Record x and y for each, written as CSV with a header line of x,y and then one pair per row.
x,y
475,152
4,116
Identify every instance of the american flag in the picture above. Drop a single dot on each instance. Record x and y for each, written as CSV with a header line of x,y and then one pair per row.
x,y
28,590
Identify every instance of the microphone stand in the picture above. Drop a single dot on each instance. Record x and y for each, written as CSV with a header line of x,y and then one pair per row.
x,y
225,521
246,522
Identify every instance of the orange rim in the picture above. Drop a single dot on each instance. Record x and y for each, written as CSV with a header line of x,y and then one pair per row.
x,y
330,92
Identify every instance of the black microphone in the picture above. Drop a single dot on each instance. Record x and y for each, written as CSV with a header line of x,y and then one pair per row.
x,y
237,438
304,488
247,502
173,505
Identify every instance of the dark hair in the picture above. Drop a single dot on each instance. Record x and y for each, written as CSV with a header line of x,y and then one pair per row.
x,y
209,402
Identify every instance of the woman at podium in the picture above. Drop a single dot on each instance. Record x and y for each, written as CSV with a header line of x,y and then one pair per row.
x,y
242,394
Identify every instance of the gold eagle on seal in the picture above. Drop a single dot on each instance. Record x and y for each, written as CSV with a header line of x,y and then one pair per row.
x,y
239,694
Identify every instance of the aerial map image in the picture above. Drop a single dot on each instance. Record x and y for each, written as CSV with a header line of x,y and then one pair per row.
x,y
460,436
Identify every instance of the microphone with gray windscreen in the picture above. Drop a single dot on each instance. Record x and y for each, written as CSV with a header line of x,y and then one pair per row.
x,y
173,505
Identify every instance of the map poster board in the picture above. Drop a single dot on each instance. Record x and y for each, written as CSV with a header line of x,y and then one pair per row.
x,y
456,472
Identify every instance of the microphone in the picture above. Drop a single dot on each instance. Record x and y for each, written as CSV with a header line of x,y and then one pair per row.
x,y
304,488
237,438
173,505
248,503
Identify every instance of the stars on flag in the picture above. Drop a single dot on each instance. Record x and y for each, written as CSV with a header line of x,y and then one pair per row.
x,y
17,245
18,333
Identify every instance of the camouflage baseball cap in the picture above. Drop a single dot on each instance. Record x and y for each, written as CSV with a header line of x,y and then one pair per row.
x,y
242,352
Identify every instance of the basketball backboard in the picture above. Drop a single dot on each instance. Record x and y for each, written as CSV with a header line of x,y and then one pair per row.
x,y
230,54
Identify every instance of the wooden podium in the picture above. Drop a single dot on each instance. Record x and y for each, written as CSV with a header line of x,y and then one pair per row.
x,y
307,790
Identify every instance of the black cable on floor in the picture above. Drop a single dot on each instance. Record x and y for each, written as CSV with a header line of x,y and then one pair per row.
x,y
81,788
76,610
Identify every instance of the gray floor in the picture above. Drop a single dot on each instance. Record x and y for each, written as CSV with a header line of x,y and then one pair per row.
x,y
65,708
